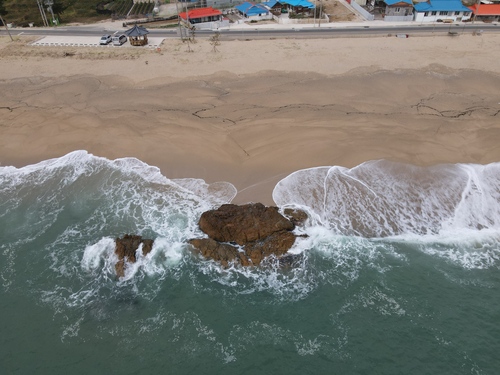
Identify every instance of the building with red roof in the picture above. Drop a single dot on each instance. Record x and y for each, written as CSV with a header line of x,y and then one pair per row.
x,y
486,12
204,18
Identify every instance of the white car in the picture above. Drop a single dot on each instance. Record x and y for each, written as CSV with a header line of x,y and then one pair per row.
x,y
105,39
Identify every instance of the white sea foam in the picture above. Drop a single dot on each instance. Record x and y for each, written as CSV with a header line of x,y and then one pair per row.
x,y
70,209
293,284
86,196
453,205
381,198
95,254
80,163
164,256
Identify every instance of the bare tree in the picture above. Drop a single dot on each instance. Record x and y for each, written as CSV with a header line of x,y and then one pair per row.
x,y
215,40
193,35
190,38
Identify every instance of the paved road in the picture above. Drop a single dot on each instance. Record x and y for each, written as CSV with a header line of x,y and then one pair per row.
x,y
326,31
367,30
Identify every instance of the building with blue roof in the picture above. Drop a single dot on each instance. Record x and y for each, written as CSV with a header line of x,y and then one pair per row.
x,y
395,2
299,3
444,10
275,7
285,6
253,11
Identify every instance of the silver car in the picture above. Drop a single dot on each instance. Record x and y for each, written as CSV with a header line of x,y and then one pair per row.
x,y
105,39
119,40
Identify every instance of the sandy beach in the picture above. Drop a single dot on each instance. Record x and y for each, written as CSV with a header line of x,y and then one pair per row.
x,y
255,111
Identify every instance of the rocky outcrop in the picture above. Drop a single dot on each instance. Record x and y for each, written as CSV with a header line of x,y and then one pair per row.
x,y
245,234
126,249
243,224
220,252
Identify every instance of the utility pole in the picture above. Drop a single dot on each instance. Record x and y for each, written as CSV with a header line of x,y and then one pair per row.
x,y
320,12
42,13
6,28
49,4
178,18
314,25
188,29
478,3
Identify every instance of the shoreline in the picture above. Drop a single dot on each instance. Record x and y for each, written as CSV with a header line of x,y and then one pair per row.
x,y
232,117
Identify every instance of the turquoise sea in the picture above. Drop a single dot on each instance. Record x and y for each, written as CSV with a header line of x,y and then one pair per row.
x,y
399,274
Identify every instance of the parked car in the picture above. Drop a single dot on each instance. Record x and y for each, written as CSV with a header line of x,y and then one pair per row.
x,y
119,40
105,39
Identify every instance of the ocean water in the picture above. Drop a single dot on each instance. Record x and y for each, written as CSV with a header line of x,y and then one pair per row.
x,y
399,274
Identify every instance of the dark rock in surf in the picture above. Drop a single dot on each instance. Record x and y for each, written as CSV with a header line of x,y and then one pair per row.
x,y
244,234
277,244
297,217
126,250
242,224
220,252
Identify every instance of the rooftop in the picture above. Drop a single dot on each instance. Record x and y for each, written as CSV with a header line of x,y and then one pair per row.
x,y
441,6
486,9
200,13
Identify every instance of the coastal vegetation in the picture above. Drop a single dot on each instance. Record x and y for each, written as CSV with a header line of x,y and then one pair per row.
x,y
22,13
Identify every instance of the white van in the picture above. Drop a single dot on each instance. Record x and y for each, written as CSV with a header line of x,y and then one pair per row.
x,y
119,40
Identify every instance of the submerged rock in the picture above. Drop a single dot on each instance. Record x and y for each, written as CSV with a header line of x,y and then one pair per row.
x,y
244,234
126,249
291,260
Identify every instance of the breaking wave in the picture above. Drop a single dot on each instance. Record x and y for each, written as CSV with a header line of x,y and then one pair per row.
x,y
449,210
59,218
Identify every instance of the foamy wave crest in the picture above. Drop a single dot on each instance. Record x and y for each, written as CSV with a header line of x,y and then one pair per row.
x,y
100,258
269,279
120,195
323,258
470,249
63,214
382,198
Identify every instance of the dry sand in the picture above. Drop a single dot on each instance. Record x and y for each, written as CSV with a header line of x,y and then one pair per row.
x,y
255,111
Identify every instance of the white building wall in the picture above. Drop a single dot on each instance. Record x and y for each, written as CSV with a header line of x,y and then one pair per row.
x,y
420,17
215,25
268,16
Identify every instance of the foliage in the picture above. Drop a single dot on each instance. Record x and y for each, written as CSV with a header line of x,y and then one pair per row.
x,y
22,12
294,15
143,8
3,11
120,8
